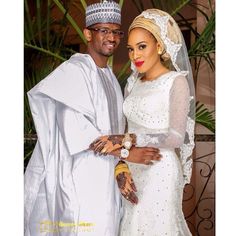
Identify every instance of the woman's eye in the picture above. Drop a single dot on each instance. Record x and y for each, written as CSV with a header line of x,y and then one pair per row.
x,y
142,46
129,49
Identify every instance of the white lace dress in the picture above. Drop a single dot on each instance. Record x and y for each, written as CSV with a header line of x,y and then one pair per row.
x,y
157,112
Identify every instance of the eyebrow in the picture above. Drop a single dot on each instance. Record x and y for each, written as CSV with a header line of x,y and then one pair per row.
x,y
137,43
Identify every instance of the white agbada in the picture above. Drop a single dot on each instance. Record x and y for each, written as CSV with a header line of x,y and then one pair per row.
x,y
68,189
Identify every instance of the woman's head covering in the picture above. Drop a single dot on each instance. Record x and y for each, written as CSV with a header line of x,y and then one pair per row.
x,y
167,32
103,12
164,28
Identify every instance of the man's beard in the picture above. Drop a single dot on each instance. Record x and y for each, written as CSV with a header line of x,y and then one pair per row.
x,y
107,54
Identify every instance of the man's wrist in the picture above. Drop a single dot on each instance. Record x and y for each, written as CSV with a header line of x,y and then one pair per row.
x,y
124,153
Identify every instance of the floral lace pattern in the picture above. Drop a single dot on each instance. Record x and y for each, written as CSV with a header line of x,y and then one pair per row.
x,y
186,151
171,48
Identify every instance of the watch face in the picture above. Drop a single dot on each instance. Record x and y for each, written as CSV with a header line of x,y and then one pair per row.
x,y
128,144
124,153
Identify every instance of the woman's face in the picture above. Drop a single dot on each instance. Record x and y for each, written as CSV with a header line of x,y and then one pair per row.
x,y
143,50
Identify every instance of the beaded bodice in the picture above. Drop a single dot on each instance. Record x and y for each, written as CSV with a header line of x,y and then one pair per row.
x,y
147,106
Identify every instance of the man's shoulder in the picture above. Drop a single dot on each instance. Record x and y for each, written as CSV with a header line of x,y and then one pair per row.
x,y
81,61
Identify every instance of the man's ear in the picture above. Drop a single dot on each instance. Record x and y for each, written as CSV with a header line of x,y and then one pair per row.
x,y
87,35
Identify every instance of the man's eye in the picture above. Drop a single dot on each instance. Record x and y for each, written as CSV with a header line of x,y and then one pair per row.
x,y
104,31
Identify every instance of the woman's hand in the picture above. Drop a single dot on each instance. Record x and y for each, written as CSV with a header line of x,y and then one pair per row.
x,y
127,187
106,144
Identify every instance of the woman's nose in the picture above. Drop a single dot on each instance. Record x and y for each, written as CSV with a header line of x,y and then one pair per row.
x,y
135,54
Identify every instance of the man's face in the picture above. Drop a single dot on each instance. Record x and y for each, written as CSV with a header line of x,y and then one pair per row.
x,y
105,38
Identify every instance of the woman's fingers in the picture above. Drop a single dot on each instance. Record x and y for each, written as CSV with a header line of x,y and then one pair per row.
x,y
109,147
128,187
133,185
132,198
152,156
99,147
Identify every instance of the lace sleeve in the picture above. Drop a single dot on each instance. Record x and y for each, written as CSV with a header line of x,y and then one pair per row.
x,y
178,110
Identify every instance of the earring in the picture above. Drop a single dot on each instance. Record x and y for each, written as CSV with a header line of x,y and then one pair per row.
x,y
159,50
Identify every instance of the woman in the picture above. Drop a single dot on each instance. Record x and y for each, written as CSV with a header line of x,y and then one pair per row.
x,y
159,108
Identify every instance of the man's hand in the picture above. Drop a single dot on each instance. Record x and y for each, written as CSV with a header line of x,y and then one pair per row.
x,y
141,155
127,187
144,155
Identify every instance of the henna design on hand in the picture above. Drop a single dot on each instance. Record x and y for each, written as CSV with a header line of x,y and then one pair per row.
x,y
121,180
123,184
106,144
132,197
115,139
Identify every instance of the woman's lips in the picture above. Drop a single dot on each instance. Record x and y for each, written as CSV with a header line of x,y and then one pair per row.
x,y
138,63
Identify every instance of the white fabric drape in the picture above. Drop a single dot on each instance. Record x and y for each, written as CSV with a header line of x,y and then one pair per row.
x,y
64,182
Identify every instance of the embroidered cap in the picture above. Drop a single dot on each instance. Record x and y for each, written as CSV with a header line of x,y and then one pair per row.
x,y
104,12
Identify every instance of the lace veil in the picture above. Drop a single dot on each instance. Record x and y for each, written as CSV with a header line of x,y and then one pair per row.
x,y
175,57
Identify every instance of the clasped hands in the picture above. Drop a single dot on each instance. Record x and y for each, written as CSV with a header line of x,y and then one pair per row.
x,y
112,144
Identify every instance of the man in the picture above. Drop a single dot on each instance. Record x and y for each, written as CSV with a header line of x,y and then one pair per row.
x,y
70,190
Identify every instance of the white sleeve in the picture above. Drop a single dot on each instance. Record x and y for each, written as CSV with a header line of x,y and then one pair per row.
x,y
77,130
179,105
126,93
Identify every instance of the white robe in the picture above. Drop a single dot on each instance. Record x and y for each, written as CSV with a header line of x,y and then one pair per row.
x,y
68,189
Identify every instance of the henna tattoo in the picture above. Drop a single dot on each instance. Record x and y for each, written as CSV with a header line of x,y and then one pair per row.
x,y
132,197
121,180
133,185
127,194
115,139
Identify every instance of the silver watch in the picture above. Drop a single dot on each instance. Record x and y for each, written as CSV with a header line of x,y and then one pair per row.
x,y
124,153
127,141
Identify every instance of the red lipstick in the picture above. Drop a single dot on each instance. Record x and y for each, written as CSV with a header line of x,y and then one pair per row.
x,y
138,63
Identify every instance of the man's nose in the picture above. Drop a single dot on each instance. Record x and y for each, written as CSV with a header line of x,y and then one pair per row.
x,y
111,36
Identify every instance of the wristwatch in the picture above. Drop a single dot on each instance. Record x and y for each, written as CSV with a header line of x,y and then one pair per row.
x,y
127,141
124,153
